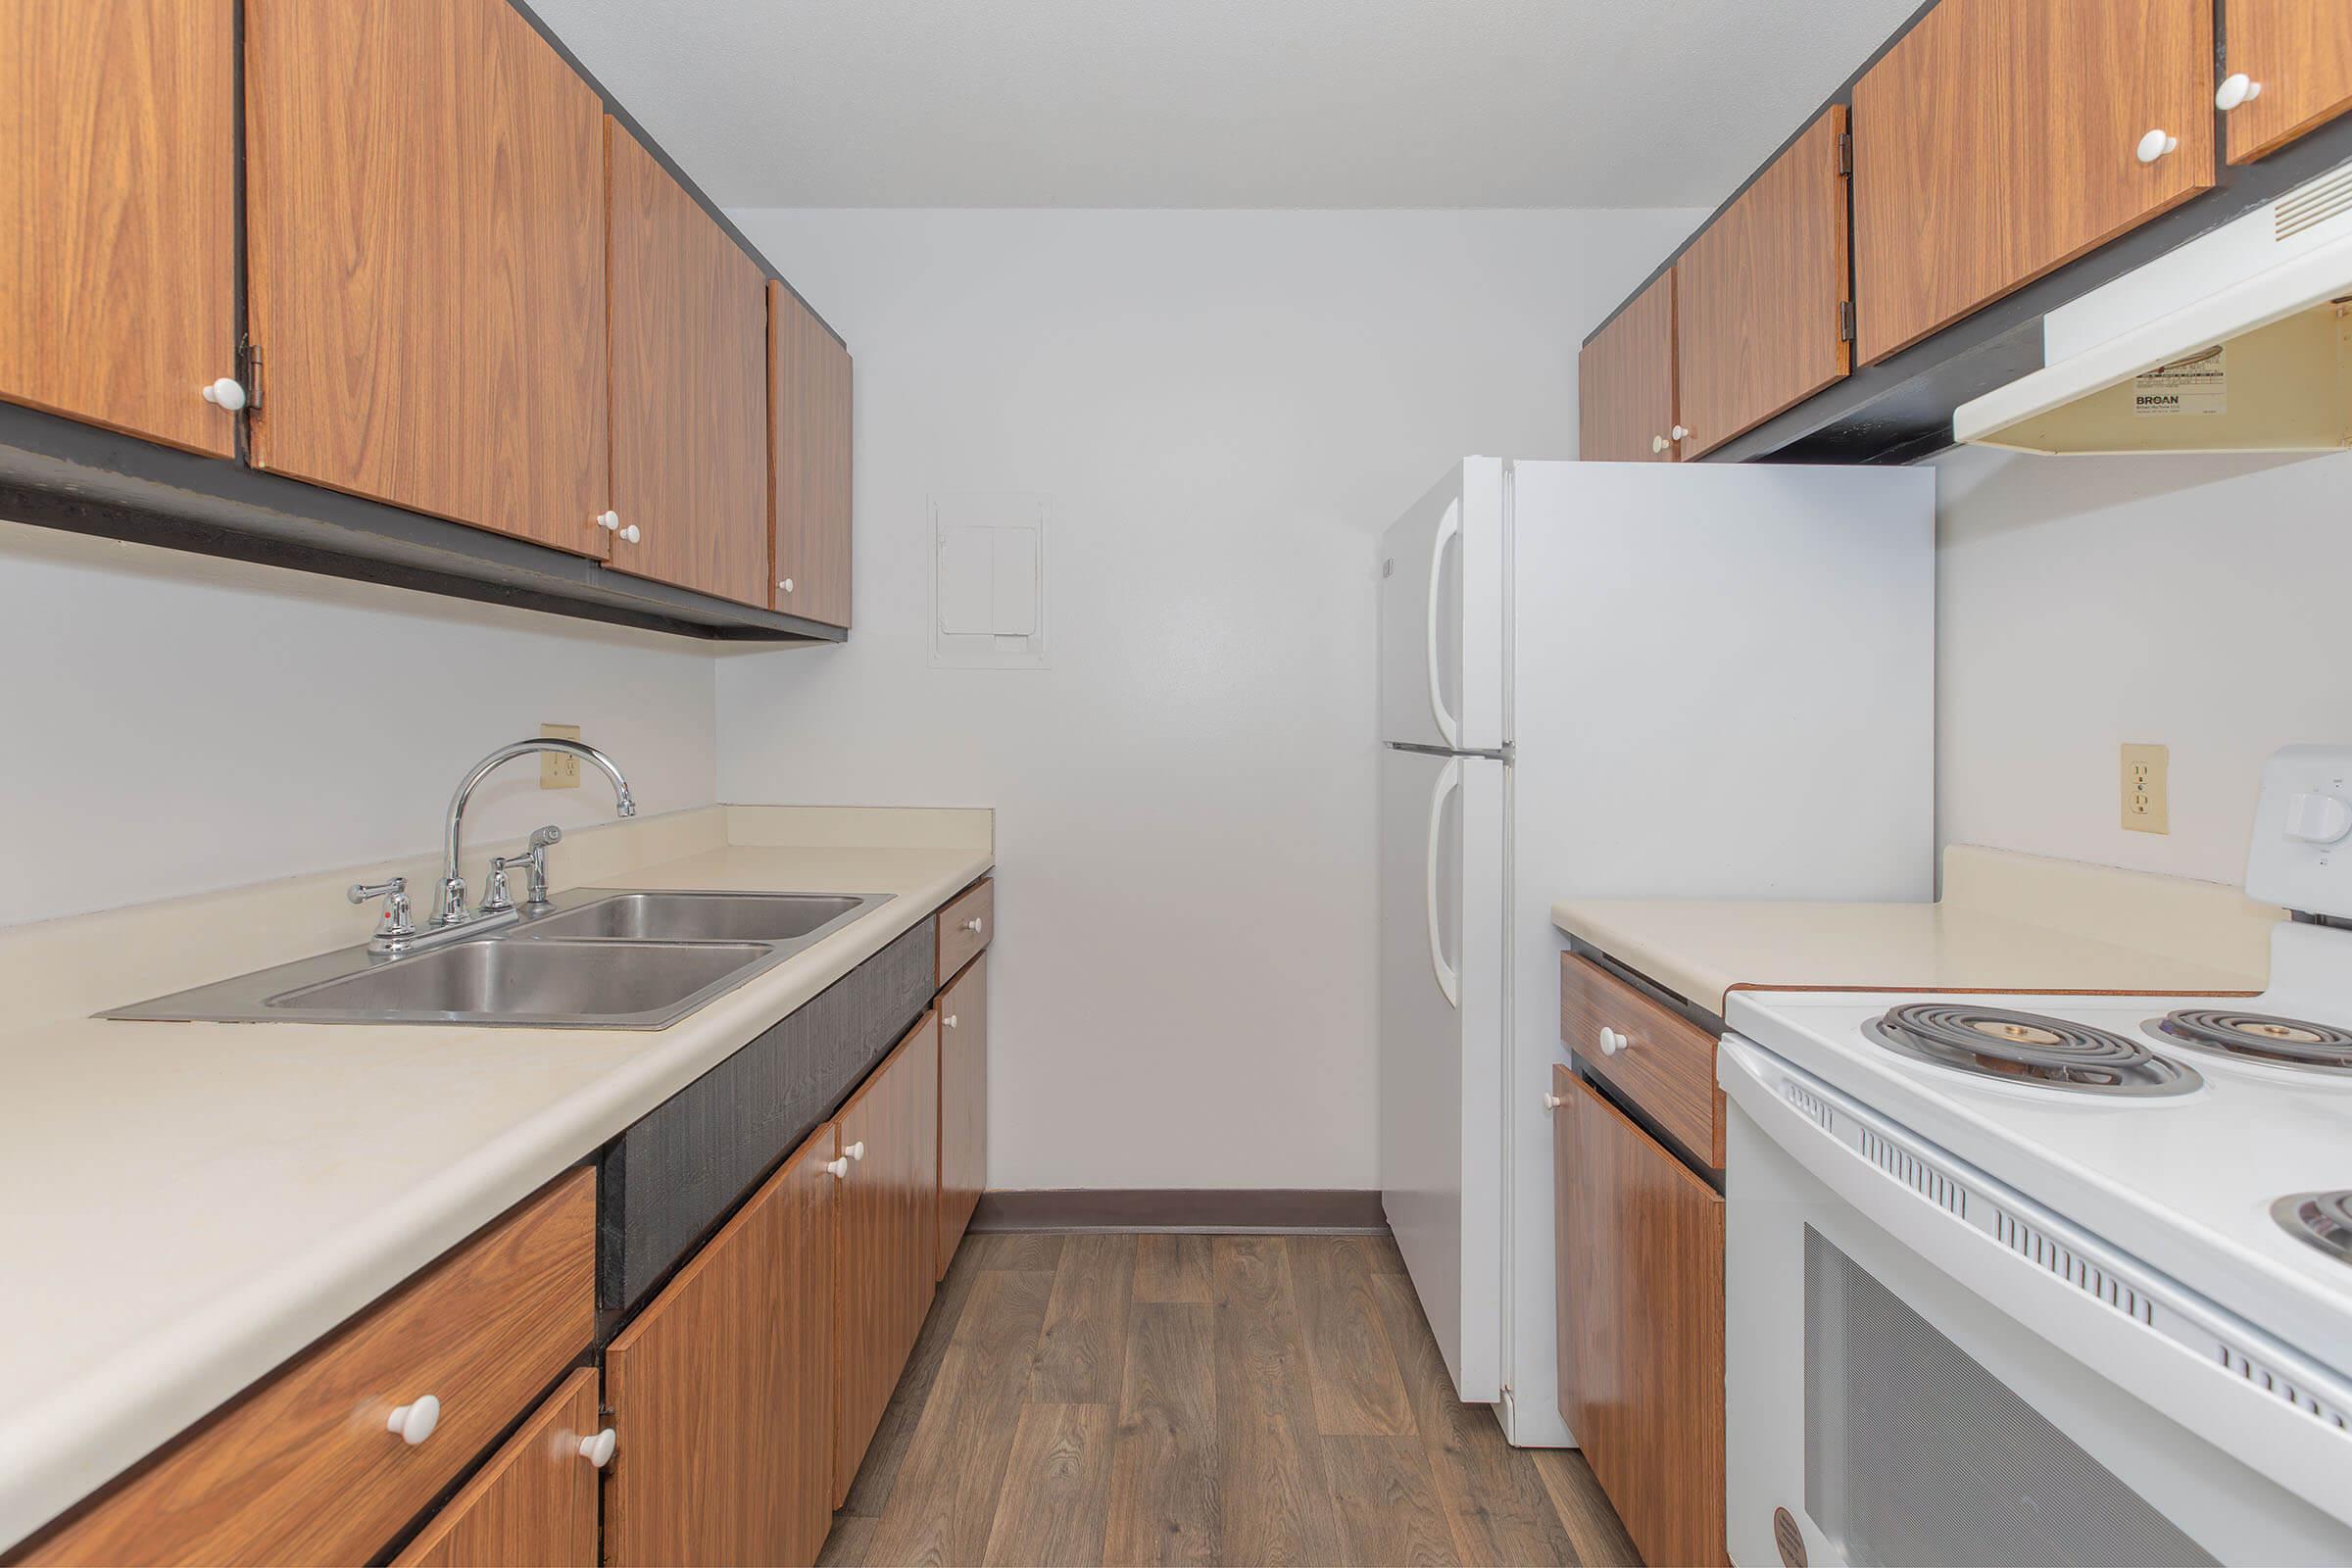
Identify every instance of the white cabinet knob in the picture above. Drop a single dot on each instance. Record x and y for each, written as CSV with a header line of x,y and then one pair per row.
x,y
1611,1042
786,585
227,392
631,535
610,522
2155,144
1552,1102
598,1449
414,1422
1681,434
949,1022
2238,88
973,925
855,1151
2315,817
838,1167
1657,443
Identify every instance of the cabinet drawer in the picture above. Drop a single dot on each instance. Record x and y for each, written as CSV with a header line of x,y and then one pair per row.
x,y
1665,1063
304,1468
964,927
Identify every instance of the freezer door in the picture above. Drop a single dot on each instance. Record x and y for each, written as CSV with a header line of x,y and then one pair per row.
x,y
1441,615
1439,1047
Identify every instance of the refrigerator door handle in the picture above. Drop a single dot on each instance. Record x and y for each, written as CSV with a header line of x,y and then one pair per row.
x,y
1449,528
1450,980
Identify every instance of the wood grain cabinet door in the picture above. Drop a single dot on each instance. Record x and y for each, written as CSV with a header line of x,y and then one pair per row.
x,y
2300,52
1641,1331
889,1238
962,1104
721,1389
1998,140
425,222
1761,295
1624,393
688,326
117,212
808,405
533,1504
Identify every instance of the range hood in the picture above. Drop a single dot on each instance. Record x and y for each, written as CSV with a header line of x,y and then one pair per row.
x,y
2240,340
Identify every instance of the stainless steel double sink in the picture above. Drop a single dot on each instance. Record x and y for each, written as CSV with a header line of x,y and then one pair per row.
x,y
597,959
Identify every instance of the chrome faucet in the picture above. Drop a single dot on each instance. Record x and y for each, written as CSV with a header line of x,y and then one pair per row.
x,y
452,911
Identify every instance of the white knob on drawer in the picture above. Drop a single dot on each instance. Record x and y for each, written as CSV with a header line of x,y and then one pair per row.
x,y
227,392
1611,1042
2155,144
786,585
973,925
598,1449
838,1168
1681,433
2238,88
949,1022
610,522
855,1151
414,1422
1552,1102
1657,443
631,535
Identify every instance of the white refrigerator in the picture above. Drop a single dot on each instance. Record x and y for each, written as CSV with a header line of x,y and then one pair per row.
x,y
1635,680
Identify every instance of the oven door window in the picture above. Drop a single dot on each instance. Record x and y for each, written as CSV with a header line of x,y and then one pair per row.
x,y
1915,1453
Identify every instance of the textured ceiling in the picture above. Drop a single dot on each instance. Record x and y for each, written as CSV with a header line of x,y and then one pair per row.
x,y
1221,103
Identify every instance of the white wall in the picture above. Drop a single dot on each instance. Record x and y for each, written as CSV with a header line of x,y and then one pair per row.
x,y
1224,408
172,724
2085,602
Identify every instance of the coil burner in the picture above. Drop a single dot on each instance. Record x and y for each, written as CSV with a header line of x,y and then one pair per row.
x,y
2257,1037
2029,1050
2323,1219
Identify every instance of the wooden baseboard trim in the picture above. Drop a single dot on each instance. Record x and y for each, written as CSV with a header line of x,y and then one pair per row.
x,y
1223,1209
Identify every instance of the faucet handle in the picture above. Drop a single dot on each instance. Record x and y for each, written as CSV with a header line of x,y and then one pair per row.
x,y
394,922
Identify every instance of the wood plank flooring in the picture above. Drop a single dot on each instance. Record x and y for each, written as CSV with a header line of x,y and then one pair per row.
x,y
1248,1400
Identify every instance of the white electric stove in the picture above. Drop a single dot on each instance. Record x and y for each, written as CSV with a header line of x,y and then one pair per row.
x,y
2054,1279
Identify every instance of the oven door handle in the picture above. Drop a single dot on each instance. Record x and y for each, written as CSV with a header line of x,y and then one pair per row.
x,y
2141,1331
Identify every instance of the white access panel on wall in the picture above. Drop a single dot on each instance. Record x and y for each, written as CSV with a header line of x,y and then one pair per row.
x,y
987,581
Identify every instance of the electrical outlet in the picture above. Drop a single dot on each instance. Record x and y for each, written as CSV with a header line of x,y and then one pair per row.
x,y
557,771
2148,801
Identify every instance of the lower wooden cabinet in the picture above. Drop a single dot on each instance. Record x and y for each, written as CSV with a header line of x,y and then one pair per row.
x,y
533,1504
720,1389
962,1104
1640,1254
888,1238
305,1467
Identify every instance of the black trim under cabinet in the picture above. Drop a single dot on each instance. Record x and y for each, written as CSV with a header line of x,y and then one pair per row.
x,y
667,1183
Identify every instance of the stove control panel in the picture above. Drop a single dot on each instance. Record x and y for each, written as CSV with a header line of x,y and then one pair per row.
x,y
2301,855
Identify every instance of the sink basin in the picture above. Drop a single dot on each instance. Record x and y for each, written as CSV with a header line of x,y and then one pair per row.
x,y
532,982
599,960
692,917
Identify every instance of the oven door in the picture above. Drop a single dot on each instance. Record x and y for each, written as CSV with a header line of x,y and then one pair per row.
x,y
1923,1366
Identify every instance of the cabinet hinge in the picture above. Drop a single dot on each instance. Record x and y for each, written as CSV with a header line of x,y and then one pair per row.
x,y
1845,152
1846,321
249,372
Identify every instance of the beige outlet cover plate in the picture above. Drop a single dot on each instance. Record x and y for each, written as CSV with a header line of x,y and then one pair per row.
x,y
2147,797
556,770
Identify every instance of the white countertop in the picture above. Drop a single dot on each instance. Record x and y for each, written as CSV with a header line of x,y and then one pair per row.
x,y
188,1205
2006,922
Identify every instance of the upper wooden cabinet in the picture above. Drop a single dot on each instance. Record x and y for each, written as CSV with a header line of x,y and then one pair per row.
x,y
1624,391
424,221
1761,295
534,1503
688,322
118,214
889,1238
808,405
1999,140
2299,54
721,1389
